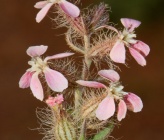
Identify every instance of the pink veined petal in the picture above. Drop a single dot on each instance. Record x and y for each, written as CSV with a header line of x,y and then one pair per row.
x,y
34,51
106,108
133,102
142,48
42,13
91,84
137,56
70,9
55,80
130,24
25,80
36,87
122,109
117,53
57,56
40,4
110,75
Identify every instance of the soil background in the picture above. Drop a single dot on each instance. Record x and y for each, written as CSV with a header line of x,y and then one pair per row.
x,y
18,31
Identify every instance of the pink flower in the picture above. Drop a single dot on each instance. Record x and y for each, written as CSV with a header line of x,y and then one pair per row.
x,y
107,108
69,8
55,80
138,49
52,101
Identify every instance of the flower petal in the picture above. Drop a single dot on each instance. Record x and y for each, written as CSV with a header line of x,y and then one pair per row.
x,y
137,56
110,75
42,13
122,109
57,56
142,48
34,51
117,53
36,87
40,4
130,24
133,102
70,9
92,84
106,108
25,80
55,80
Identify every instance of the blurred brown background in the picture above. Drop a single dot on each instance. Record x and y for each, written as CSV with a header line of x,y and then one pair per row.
x,y
18,31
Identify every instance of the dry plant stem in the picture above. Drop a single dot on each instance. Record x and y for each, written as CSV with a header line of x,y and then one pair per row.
x,y
71,45
87,61
86,66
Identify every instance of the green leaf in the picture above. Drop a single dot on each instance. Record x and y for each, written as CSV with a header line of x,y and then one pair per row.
x,y
104,133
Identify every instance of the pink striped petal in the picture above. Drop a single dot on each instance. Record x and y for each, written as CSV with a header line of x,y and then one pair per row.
x,y
34,51
117,53
70,9
25,80
91,84
42,13
133,102
110,75
122,109
106,108
57,56
138,57
36,87
130,24
55,80
142,48
40,4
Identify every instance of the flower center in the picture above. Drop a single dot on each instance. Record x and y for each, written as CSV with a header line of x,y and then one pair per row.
x,y
55,1
116,91
128,37
37,64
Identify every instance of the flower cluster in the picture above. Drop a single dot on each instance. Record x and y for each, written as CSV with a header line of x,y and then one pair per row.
x,y
91,109
115,93
138,49
67,7
55,80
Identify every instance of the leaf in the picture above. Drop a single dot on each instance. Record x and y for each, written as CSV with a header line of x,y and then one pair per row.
x,y
104,133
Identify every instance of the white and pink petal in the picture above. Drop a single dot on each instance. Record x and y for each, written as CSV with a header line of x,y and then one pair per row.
x,y
25,79
40,4
91,84
36,87
34,51
106,108
137,56
55,80
57,56
142,48
130,24
110,75
43,12
133,102
122,109
70,9
117,53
